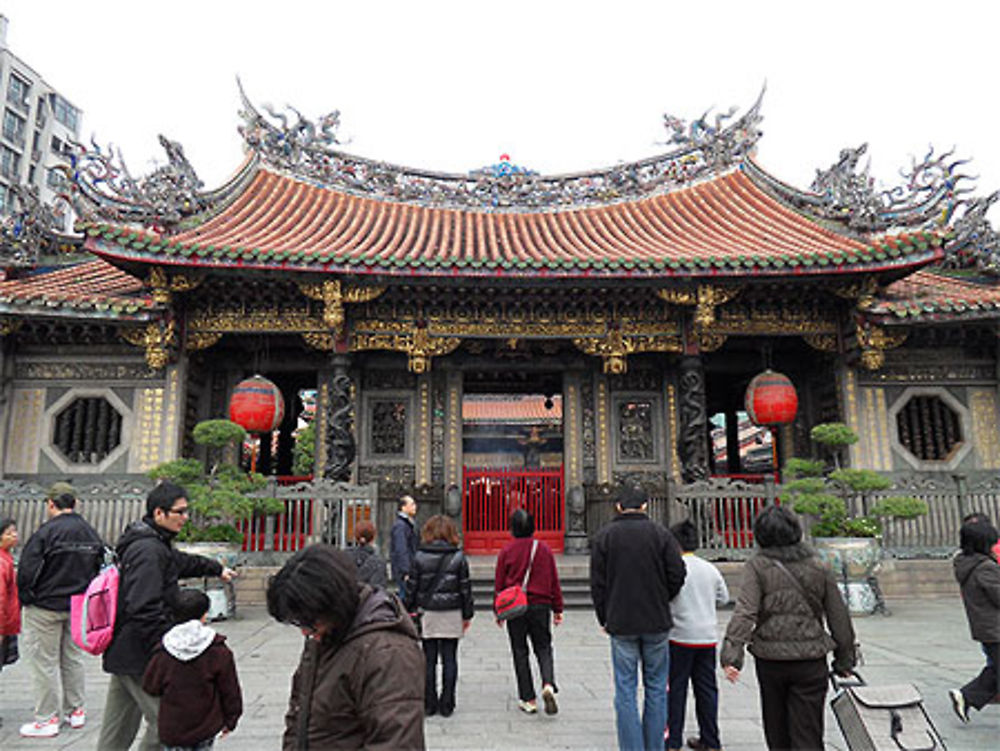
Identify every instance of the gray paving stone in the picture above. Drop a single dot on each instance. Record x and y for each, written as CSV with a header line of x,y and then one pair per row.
x,y
924,642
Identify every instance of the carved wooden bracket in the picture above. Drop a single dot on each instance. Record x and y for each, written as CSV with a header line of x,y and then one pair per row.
x,y
419,346
158,338
874,341
163,285
334,295
706,298
861,292
616,346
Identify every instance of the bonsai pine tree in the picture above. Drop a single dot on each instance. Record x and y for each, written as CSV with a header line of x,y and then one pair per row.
x,y
823,493
220,496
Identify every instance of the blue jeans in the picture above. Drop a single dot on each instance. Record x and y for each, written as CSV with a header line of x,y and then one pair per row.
x,y
653,651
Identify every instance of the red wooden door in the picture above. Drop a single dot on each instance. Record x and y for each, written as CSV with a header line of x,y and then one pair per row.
x,y
490,495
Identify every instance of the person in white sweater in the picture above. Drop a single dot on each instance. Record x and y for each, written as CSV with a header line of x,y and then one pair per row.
x,y
693,639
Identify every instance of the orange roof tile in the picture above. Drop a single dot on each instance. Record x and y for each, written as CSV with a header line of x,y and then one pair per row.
x,y
90,289
929,295
725,226
519,409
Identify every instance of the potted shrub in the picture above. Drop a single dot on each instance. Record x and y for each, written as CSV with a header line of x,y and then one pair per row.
x,y
850,543
219,495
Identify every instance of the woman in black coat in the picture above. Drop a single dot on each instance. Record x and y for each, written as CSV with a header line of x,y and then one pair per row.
x,y
978,574
371,566
441,590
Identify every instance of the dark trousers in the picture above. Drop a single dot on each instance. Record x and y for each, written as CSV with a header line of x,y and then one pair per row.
x,y
981,690
791,698
534,624
697,665
448,649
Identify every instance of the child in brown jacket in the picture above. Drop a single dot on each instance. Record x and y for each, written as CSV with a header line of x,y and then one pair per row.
x,y
194,674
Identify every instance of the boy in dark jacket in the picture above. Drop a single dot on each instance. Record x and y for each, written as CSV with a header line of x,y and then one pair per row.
x,y
194,674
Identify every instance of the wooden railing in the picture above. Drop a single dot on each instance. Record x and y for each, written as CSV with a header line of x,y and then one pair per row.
x,y
490,495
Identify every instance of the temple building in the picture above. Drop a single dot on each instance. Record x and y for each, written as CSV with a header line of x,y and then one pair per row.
x,y
501,337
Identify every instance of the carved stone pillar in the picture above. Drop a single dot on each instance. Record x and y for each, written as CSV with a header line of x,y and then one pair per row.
x,y
453,445
341,446
576,527
693,420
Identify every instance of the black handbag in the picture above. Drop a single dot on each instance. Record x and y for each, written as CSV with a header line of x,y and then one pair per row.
x,y
8,650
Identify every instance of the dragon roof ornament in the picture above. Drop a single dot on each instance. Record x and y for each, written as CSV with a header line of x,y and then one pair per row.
x,y
100,186
975,244
929,195
308,149
29,230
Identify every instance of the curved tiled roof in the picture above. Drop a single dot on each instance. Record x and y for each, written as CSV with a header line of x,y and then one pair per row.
x,y
94,289
938,296
723,226
515,409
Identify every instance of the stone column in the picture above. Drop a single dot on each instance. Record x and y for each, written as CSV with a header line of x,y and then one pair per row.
x,y
341,447
693,420
453,445
732,442
575,504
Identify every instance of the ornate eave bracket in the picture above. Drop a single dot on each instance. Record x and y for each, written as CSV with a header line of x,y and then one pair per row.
x,y
10,326
164,285
419,346
705,299
874,341
159,339
334,295
615,347
863,293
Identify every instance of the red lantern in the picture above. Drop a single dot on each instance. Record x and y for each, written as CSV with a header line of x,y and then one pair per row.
x,y
771,399
257,405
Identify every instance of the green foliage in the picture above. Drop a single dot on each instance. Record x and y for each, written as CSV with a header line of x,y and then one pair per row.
x,y
304,452
833,435
218,433
823,494
796,467
218,498
860,480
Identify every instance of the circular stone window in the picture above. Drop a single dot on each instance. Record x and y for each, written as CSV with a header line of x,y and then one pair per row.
x,y
87,430
929,428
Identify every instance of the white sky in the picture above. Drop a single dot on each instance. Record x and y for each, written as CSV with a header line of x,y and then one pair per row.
x,y
560,86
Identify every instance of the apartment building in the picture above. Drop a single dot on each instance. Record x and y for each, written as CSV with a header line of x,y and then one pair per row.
x,y
37,126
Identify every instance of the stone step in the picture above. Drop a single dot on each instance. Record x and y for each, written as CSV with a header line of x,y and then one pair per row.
x,y
922,577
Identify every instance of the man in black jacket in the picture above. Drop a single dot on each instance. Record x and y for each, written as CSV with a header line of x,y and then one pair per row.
x,y
149,568
403,542
636,569
59,560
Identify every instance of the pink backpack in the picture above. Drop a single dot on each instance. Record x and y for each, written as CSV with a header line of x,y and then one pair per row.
x,y
92,612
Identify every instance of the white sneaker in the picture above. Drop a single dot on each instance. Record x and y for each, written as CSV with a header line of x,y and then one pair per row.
x,y
77,718
549,698
47,729
958,704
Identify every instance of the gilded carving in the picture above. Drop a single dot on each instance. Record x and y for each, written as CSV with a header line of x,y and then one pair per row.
x,y
317,340
10,325
250,321
709,342
418,345
163,285
862,292
706,298
821,342
615,347
197,340
334,295
158,338
874,340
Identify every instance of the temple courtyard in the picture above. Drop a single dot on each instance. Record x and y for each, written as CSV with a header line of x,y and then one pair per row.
x,y
924,642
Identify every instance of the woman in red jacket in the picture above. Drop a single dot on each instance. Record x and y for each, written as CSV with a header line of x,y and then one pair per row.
x,y
10,606
544,601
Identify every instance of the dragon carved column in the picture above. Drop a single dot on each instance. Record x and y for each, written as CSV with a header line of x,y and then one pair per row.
x,y
342,447
693,420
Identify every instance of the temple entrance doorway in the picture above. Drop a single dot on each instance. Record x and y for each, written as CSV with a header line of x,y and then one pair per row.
x,y
512,445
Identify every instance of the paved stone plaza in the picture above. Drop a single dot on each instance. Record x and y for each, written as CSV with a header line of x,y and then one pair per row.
x,y
925,642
